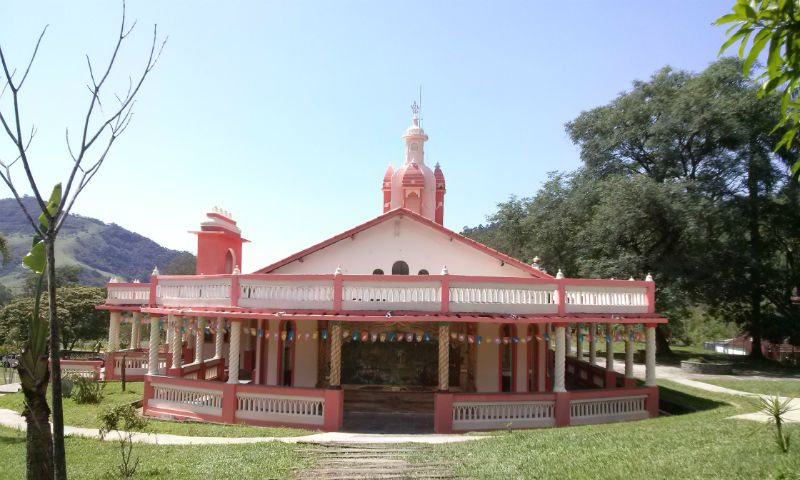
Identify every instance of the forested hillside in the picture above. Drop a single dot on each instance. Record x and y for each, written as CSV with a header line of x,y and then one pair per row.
x,y
101,250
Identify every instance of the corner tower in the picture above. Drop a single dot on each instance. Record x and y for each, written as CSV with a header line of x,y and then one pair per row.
x,y
219,244
414,185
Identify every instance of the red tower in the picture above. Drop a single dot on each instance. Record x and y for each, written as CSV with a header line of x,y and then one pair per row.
x,y
387,189
440,191
219,244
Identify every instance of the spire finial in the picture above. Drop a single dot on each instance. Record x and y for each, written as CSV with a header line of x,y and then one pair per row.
x,y
155,270
415,108
560,274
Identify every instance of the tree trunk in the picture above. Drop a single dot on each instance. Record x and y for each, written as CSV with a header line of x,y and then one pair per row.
x,y
662,345
755,258
38,444
59,455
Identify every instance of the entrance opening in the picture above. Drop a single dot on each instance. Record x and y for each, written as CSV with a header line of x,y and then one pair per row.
x,y
286,352
508,358
400,268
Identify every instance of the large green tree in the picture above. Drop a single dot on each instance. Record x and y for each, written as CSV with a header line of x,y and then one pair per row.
x,y
678,179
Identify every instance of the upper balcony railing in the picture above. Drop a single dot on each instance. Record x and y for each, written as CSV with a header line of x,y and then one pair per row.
x,y
379,293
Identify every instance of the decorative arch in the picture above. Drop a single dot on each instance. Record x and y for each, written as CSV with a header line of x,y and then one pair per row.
x,y
400,268
507,359
413,202
230,261
423,272
286,350
377,271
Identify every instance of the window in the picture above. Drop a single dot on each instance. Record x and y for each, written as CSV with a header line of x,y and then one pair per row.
x,y
377,271
423,272
400,268
229,261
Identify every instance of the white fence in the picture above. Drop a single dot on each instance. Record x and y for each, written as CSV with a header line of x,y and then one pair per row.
x,y
263,293
190,399
607,410
499,415
508,298
425,296
128,294
280,408
194,291
603,299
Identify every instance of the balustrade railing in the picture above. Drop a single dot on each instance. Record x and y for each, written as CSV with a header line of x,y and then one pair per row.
x,y
280,408
605,410
485,415
188,398
128,294
434,293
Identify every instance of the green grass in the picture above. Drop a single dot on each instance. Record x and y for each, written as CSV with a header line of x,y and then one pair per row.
x,y
90,459
86,416
702,445
784,388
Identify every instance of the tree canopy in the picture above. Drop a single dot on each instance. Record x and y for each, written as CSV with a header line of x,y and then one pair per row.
x,y
678,179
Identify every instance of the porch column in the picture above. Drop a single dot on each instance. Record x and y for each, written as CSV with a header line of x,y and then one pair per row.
x,y
170,332
628,352
152,353
610,346
593,343
558,368
177,349
444,356
136,331
113,332
568,342
233,354
219,337
650,355
578,342
336,355
259,348
199,339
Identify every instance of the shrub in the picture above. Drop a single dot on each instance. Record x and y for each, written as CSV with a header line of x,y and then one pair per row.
x,y
87,391
124,420
66,386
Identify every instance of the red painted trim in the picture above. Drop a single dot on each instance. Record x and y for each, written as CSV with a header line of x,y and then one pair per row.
x,y
414,216
513,346
337,292
127,284
562,409
562,297
445,293
153,286
235,291
443,412
651,297
380,315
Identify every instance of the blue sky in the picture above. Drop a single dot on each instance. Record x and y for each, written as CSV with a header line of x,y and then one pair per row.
x,y
287,113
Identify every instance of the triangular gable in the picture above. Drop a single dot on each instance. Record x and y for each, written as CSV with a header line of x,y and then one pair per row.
x,y
419,220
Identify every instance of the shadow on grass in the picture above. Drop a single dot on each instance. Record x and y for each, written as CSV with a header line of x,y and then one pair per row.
x,y
676,402
12,440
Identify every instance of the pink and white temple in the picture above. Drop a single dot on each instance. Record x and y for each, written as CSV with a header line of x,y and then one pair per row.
x,y
397,304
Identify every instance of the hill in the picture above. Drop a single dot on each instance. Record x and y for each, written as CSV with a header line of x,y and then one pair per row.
x,y
101,250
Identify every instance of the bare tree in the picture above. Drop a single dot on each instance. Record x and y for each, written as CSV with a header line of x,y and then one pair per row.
x,y
99,131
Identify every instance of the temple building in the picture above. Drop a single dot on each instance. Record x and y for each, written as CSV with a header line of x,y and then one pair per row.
x,y
398,314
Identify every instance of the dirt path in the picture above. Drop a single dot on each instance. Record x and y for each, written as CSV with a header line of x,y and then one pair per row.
x,y
356,461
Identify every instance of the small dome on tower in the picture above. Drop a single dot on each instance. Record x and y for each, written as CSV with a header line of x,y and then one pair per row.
x,y
413,175
387,177
414,130
439,176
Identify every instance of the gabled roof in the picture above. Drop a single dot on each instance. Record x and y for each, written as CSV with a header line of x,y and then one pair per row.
x,y
420,219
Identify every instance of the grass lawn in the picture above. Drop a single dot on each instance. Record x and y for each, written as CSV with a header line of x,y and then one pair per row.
x,y
86,416
92,459
784,388
701,445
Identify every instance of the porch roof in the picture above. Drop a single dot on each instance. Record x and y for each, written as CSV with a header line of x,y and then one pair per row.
x,y
394,316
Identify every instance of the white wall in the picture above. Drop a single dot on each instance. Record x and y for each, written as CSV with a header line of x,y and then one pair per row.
x,y
305,355
401,238
486,380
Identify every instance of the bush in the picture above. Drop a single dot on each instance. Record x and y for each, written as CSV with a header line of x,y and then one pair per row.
x,y
124,420
66,386
87,391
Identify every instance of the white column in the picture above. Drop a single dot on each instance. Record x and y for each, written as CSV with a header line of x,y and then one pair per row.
x,y
578,343
113,331
152,354
650,355
199,339
593,343
444,358
219,337
609,346
568,343
136,331
233,354
628,352
177,343
558,368
170,322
